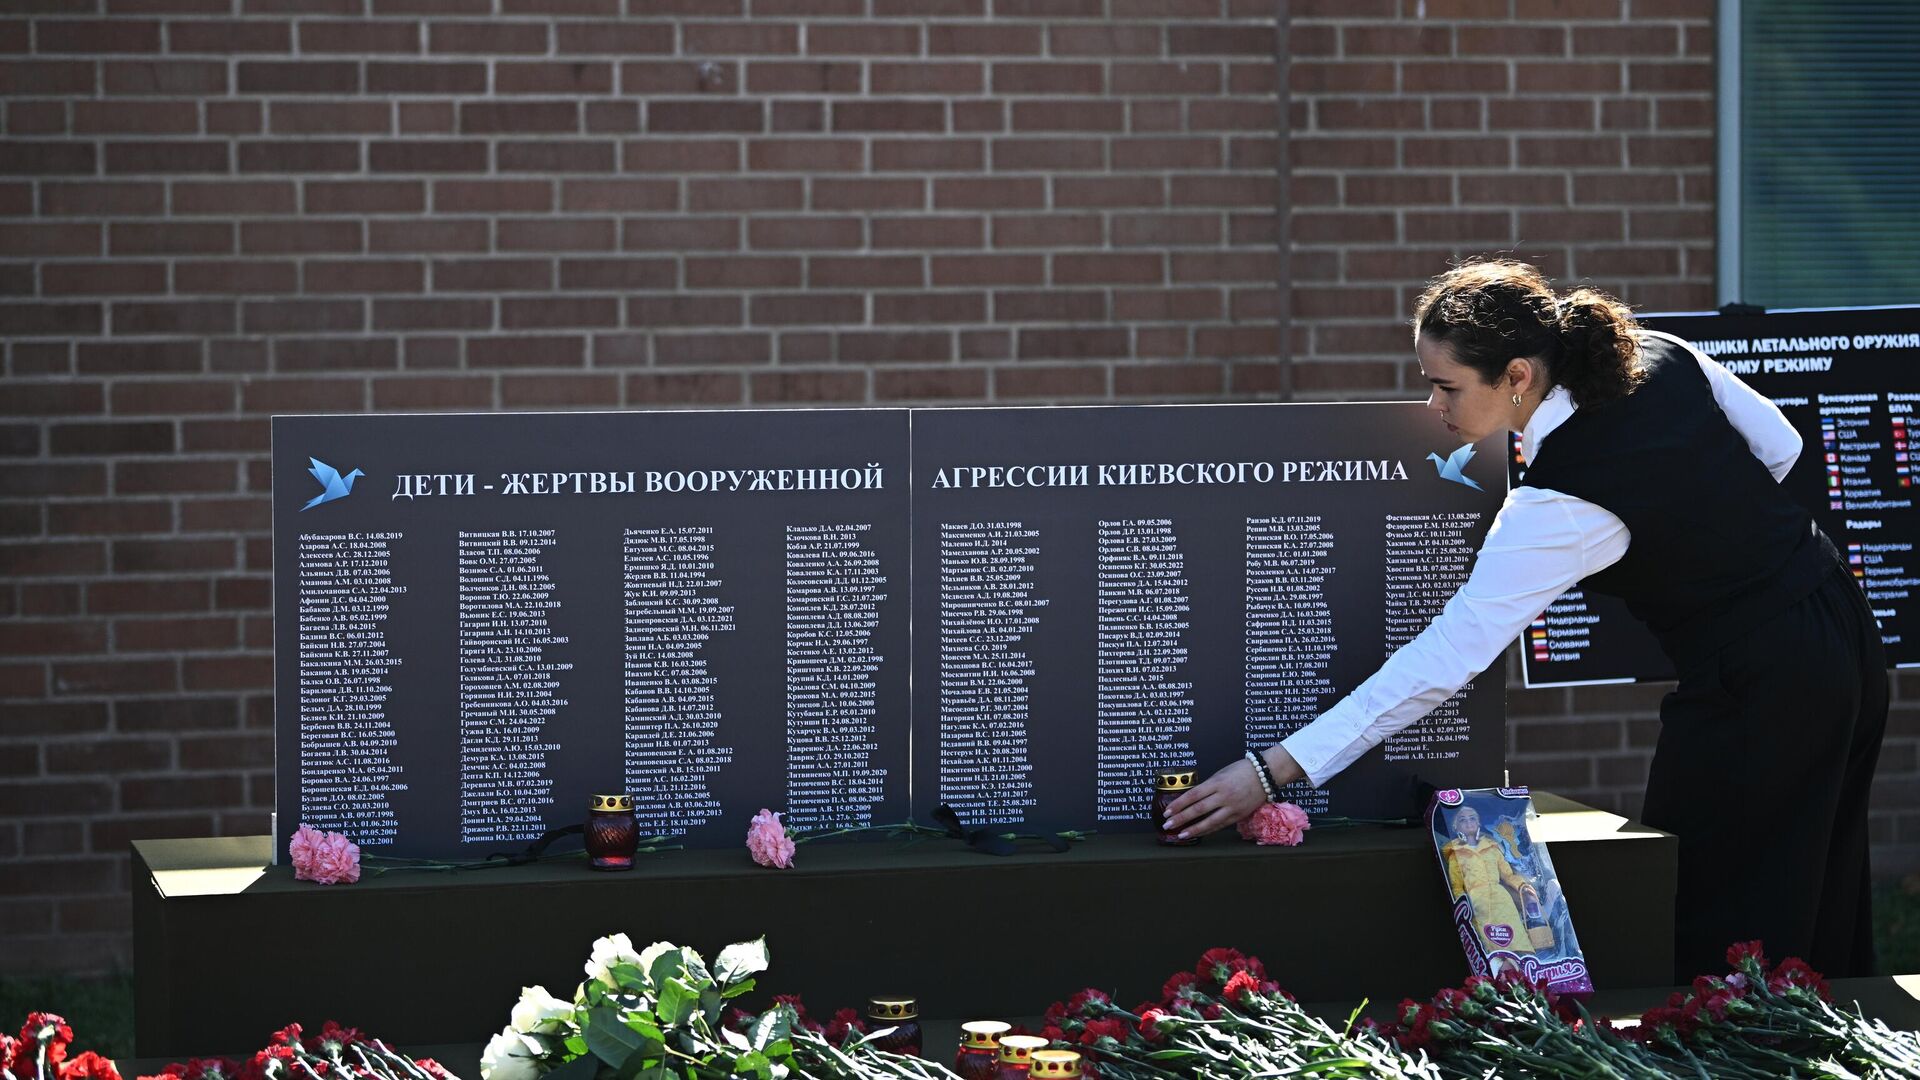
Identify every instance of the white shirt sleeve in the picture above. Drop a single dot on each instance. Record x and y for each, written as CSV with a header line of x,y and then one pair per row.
x,y
1539,545
1769,434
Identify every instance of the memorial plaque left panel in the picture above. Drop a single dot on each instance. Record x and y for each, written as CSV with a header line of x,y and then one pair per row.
x,y
481,619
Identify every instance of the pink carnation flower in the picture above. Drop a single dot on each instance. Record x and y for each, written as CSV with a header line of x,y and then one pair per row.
x,y
768,842
1276,823
325,857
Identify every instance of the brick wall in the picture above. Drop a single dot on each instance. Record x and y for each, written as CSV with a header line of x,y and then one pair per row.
x,y
214,210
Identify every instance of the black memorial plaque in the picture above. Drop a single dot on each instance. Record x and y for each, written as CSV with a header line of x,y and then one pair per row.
x,y
1104,592
1849,381
501,614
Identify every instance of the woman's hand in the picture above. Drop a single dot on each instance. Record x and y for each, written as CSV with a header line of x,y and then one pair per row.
x,y
1228,796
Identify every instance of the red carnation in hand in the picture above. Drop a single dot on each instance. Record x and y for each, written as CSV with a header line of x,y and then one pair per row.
x,y
844,1020
89,1066
1239,986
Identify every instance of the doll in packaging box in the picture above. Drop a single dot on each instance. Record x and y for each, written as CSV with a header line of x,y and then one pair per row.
x,y
1507,903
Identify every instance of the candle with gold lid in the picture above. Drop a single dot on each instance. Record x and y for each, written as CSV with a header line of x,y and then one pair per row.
x,y
979,1048
902,1014
1055,1065
611,834
1168,785
1016,1056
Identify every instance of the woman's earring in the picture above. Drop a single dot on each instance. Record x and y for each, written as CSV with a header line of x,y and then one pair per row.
x,y
1516,401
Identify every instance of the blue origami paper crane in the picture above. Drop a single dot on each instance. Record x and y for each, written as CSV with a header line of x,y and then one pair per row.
x,y
336,486
1454,465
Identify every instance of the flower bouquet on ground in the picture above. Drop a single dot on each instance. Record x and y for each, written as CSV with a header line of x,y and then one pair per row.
x,y
336,1053
663,1014
40,1053
1224,1019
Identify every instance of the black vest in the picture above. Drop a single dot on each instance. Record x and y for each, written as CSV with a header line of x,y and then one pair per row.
x,y
1716,545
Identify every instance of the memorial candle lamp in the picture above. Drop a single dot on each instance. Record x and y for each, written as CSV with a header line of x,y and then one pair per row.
x,y
979,1048
1016,1056
612,834
903,1015
1055,1065
1168,786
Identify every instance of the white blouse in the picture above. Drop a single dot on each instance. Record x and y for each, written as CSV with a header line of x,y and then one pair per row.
x,y
1541,543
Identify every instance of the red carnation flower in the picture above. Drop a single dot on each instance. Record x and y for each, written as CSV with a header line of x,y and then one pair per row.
x,y
1150,1024
286,1036
1106,1027
844,1020
1741,951
1050,1032
1222,960
1211,1012
1171,991
1088,1003
7,1045
43,1029
1056,1014
1239,986
1795,972
434,1069
89,1066
793,1000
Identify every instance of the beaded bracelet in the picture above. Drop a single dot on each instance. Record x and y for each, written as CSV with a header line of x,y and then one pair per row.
x,y
1266,776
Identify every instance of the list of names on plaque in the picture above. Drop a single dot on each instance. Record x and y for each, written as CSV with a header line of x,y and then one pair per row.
x,y
1290,641
988,614
834,588
1428,558
1144,708
509,683
347,741
672,718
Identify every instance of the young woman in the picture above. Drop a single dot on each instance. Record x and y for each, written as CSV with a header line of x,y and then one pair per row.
x,y
1652,474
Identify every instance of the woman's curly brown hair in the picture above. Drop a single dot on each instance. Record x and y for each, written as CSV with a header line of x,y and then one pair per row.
x,y
1492,311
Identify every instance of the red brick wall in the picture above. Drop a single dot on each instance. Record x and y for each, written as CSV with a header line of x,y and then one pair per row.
x,y
214,210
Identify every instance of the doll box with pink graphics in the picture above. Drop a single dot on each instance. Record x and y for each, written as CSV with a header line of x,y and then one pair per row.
x,y
1507,904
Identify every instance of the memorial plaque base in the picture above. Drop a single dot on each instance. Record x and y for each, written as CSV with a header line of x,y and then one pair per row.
x,y
227,950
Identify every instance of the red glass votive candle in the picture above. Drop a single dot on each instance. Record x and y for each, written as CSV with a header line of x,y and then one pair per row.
x,y
1168,786
1016,1056
903,1015
611,832
979,1048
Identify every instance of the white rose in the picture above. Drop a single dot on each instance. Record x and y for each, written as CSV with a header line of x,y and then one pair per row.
x,y
539,1012
609,951
511,1056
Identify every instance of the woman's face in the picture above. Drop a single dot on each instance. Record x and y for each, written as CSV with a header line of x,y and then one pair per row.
x,y
1466,822
1469,407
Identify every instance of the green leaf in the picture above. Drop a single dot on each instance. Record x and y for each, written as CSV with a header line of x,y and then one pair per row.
x,y
739,961
629,976
753,1063
779,1048
770,1027
610,1040
576,1045
677,1002
737,989
670,964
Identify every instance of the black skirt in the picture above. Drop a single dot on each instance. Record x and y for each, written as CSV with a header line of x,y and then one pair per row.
x,y
1763,769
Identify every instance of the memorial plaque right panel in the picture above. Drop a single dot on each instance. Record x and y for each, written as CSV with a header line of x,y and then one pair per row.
x,y
1104,592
